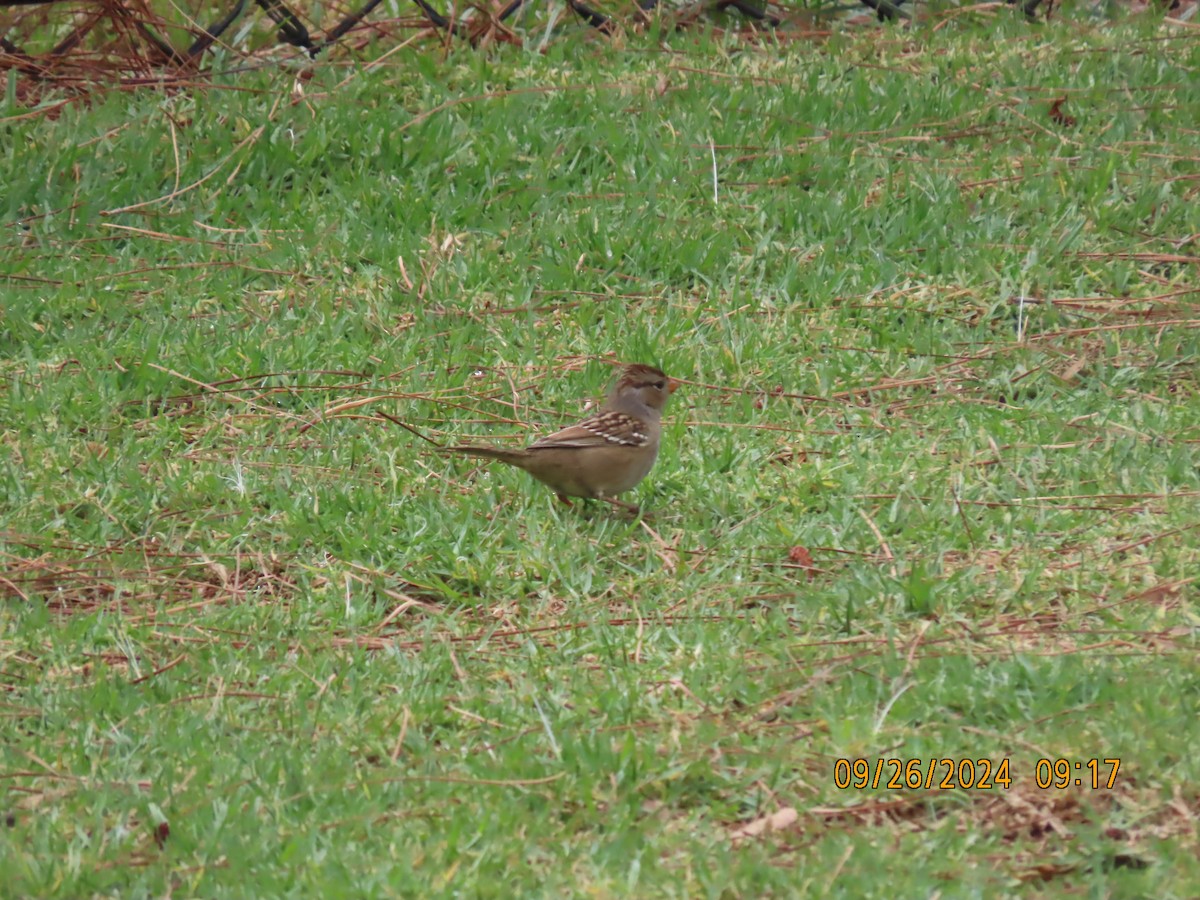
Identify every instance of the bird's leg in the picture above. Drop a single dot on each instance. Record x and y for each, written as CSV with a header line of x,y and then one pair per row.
x,y
630,507
564,499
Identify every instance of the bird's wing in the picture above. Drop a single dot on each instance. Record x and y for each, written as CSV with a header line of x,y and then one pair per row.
x,y
604,429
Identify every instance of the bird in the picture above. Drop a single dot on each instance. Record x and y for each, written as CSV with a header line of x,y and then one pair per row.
x,y
607,453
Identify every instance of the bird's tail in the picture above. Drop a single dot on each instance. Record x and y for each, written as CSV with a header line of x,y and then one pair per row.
x,y
512,457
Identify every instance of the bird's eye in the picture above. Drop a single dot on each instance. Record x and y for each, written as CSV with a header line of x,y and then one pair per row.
x,y
659,385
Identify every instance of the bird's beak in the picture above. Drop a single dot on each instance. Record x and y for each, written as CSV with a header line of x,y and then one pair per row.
x,y
673,385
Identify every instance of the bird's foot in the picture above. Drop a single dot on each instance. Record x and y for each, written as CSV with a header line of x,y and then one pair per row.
x,y
632,508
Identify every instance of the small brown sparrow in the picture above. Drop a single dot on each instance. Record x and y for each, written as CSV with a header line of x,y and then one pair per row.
x,y
607,453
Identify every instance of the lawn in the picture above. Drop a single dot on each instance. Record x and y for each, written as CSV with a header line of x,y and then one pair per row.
x,y
930,491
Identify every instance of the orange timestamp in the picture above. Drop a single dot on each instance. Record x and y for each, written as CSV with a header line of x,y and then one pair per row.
x,y
970,774
956,774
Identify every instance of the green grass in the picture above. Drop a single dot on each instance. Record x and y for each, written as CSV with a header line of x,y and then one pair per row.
x,y
258,641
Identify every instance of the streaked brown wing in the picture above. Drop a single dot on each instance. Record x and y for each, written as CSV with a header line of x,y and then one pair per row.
x,y
601,430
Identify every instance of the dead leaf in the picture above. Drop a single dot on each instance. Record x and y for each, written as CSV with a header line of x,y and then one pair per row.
x,y
788,456
776,821
1073,368
800,556
1046,871
1058,117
